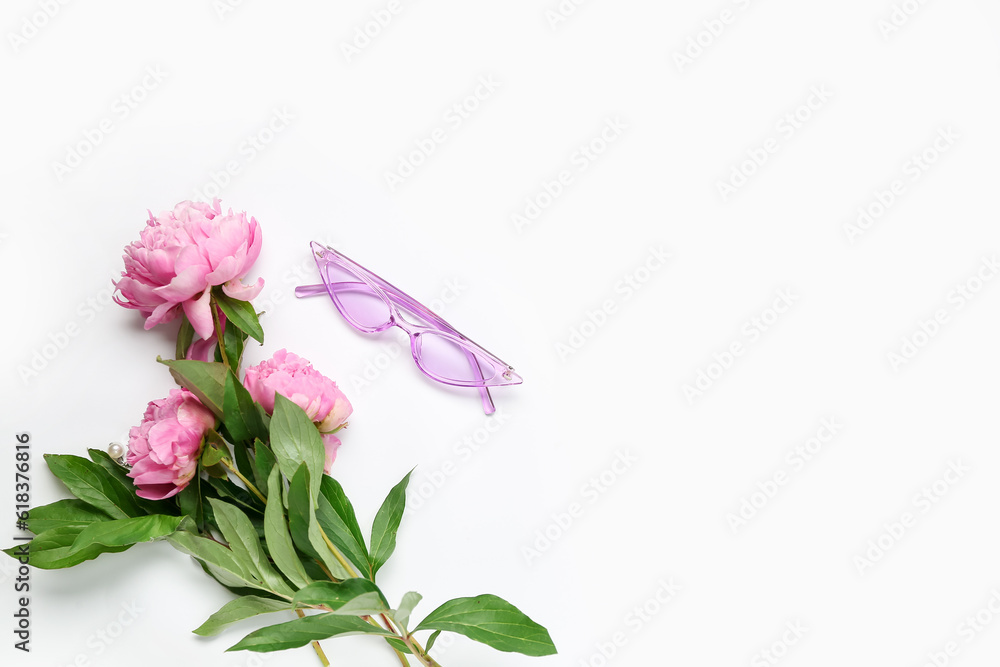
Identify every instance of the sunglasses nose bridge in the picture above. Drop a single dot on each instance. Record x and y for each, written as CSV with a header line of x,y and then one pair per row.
x,y
408,327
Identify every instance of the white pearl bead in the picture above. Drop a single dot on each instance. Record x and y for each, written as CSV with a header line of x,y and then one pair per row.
x,y
116,451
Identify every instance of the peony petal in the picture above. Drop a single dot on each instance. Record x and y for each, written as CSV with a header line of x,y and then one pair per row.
x,y
331,444
185,284
162,313
159,491
202,349
237,290
199,313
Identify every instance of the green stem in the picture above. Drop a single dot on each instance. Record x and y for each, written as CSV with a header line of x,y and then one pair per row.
x,y
326,571
419,651
229,466
336,554
214,307
422,655
315,645
410,642
399,655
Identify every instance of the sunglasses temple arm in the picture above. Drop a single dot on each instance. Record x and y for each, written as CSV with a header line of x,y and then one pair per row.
x,y
484,392
488,406
310,290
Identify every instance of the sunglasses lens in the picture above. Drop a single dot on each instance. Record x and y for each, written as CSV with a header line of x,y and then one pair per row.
x,y
445,358
359,304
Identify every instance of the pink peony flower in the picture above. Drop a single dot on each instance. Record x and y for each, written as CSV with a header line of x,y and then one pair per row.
x,y
294,378
163,450
180,255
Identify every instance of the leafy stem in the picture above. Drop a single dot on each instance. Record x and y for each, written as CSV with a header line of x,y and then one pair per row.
x,y
214,307
402,658
411,642
336,554
316,647
229,466
422,655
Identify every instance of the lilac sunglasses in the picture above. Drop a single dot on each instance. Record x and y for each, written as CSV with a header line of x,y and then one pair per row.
x,y
370,304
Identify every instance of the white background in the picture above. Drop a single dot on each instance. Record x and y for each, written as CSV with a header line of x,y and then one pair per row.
x,y
523,290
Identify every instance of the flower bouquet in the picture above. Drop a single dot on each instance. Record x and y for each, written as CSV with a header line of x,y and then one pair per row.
x,y
233,468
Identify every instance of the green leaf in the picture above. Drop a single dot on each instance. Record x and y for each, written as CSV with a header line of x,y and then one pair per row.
x,y
301,631
234,341
190,502
225,489
68,545
240,313
304,527
184,338
53,549
126,532
245,545
232,583
94,485
242,419
245,463
386,524
356,596
120,474
69,512
336,517
409,601
264,461
221,562
212,453
295,440
430,640
206,380
368,604
279,541
492,621
238,610
398,645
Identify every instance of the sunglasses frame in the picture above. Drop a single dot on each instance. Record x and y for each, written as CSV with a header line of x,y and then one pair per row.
x,y
398,302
